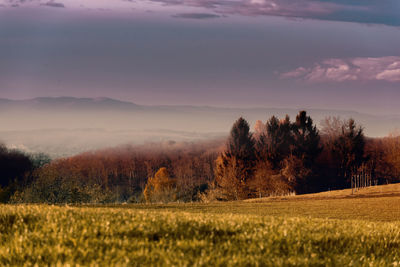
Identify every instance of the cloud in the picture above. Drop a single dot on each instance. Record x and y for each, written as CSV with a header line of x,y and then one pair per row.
x,y
18,3
389,75
373,11
195,16
353,69
259,7
368,11
53,4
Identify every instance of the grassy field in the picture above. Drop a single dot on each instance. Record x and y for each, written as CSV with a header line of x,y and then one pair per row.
x,y
328,229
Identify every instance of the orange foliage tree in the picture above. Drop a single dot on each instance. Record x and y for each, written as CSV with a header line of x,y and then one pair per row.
x,y
160,188
236,165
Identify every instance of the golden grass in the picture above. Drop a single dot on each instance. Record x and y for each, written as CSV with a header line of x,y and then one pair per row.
x,y
380,203
326,229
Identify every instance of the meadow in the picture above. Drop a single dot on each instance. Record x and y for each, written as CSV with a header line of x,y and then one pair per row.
x,y
326,229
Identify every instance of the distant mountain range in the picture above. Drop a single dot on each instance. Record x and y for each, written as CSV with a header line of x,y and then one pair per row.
x,y
77,124
65,103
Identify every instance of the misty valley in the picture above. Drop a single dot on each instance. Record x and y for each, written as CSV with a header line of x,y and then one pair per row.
x,y
179,160
66,126
240,198
199,133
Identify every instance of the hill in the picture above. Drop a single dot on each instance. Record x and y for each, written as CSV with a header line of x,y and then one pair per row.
x,y
326,229
63,126
377,203
390,190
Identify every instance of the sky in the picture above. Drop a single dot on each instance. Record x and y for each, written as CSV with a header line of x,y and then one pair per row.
x,y
331,54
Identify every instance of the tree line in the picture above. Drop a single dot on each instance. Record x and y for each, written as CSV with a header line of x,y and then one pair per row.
x,y
278,157
284,157
16,169
120,174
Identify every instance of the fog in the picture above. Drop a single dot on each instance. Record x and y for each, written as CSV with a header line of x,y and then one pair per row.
x,y
67,126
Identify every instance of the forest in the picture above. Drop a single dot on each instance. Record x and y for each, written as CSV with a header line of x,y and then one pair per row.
x,y
278,157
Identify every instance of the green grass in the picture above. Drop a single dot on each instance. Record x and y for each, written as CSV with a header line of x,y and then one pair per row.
x,y
316,231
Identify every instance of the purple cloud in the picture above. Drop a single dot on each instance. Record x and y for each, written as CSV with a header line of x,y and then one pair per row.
x,y
53,4
17,3
298,8
372,11
336,10
353,69
195,16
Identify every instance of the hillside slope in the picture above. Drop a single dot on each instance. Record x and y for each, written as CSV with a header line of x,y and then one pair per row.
x,y
390,190
377,203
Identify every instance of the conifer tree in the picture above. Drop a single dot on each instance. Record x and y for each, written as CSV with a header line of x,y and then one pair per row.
x,y
236,165
278,141
307,139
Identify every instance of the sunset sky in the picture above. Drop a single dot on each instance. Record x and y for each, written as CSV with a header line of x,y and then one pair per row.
x,y
332,54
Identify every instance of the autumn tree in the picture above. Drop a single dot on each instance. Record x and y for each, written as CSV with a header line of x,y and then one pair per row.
x,y
328,163
236,165
390,156
259,130
160,188
273,146
268,182
296,174
383,163
331,128
349,150
283,141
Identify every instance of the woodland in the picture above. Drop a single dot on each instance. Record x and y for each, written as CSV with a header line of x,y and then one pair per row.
x,y
278,157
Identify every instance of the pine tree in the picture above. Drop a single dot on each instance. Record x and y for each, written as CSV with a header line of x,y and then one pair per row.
x,y
236,165
240,142
277,144
307,139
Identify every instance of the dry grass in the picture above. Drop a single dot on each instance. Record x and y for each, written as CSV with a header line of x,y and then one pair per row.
x,y
368,192
380,203
326,229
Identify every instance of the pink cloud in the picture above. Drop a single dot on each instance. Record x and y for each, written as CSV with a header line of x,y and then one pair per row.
x,y
352,69
299,8
334,10
389,75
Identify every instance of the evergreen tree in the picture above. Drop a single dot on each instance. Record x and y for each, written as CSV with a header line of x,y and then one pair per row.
x,y
236,166
240,142
278,141
306,139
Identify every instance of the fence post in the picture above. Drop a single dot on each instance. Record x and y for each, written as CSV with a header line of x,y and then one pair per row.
x,y
352,184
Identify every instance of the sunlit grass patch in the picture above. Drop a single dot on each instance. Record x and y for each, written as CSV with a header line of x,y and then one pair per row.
x,y
49,235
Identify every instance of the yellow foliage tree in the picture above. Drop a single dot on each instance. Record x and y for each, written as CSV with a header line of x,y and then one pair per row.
x,y
230,176
268,182
160,188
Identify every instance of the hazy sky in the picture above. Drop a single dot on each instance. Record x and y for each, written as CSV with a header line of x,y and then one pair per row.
x,y
305,53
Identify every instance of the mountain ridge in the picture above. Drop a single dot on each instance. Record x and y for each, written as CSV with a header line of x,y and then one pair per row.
x,y
68,101
68,125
